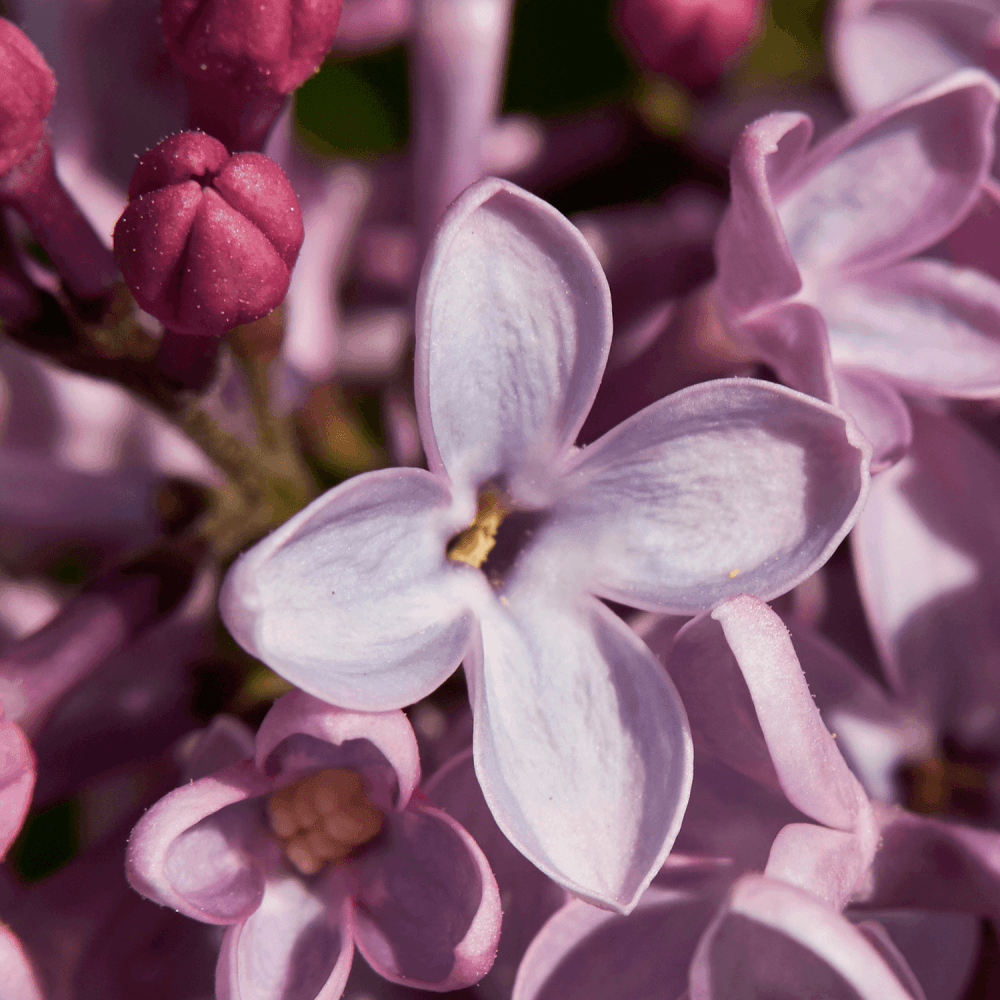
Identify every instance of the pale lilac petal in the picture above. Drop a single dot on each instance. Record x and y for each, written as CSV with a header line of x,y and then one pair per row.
x,y
17,978
734,486
772,939
225,741
880,939
427,910
831,864
755,263
179,856
882,51
941,949
879,412
875,733
793,339
809,765
17,781
893,182
529,897
296,946
959,866
350,738
926,553
353,599
931,328
513,326
584,953
581,744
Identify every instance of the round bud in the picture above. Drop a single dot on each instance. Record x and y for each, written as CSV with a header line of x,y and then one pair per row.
x,y
250,45
29,87
691,40
207,240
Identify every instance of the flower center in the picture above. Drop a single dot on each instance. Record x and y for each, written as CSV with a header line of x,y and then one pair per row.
x,y
940,785
322,818
474,544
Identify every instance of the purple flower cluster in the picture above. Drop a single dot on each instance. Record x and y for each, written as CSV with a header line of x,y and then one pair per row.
x,y
698,493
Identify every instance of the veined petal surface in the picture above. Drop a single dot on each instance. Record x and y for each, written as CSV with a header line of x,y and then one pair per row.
x,y
581,744
353,599
734,486
513,331
927,326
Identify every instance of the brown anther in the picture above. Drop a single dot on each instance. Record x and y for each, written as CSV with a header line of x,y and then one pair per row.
x,y
322,818
474,544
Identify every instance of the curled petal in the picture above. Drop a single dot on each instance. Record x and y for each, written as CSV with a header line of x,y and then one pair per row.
x,y
296,945
734,486
893,182
514,326
928,327
583,953
427,910
180,856
353,599
389,733
772,939
581,745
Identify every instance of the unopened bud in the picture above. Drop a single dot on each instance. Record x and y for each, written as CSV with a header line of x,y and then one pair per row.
x,y
29,87
207,240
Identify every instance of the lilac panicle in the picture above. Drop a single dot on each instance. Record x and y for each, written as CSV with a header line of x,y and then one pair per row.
x,y
418,900
242,58
208,240
816,254
356,600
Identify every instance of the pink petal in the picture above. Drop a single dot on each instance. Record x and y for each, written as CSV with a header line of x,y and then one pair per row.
x,y
295,946
353,599
772,939
427,908
513,325
734,486
17,977
17,781
351,737
891,955
581,744
879,412
178,860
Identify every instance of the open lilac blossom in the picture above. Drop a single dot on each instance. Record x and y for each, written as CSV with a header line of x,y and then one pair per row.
x,y
817,269
778,838
372,595
242,58
317,844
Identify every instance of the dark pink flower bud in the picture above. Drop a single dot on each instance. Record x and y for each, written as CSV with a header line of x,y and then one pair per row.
x,y
242,57
29,87
691,40
208,240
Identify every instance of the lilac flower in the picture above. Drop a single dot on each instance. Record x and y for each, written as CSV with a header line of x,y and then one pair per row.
x,y
316,844
371,596
817,274
772,794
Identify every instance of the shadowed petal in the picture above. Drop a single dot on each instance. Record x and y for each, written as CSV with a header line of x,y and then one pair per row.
x,y
879,412
926,554
181,855
529,898
513,327
772,939
893,182
353,599
583,953
925,325
352,736
17,781
886,947
296,946
427,910
581,744
734,486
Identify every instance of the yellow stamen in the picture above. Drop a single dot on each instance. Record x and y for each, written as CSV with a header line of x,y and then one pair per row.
x,y
322,818
474,544
934,784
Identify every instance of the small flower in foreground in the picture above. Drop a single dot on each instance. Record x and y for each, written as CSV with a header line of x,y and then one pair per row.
x,y
318,843
372,595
